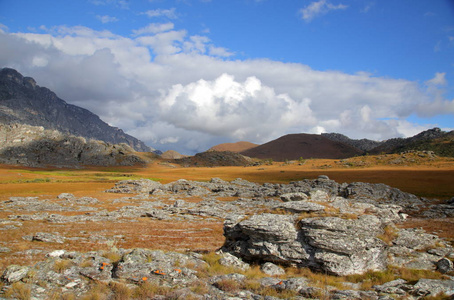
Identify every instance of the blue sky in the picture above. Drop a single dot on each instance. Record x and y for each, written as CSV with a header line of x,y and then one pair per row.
x,y
188,74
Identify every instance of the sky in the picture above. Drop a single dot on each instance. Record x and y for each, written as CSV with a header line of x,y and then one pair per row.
x,y
186,75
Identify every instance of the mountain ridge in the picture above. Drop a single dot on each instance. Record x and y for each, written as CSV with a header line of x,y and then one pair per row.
x,y
23,101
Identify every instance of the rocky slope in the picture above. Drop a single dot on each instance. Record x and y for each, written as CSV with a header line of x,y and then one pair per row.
x,y
436,140
215,159
329,227
362,144
23,101
35,146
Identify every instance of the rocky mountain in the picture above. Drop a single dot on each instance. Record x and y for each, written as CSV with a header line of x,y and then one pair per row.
x,y
22,101
362,144
294,146
234,147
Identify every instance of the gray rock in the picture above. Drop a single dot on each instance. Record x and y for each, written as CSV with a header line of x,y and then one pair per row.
x,y
65,196
332,245
271,269
294,197
433,287
14,273
445,265
395,287
415,238
48,238
230,260
301,206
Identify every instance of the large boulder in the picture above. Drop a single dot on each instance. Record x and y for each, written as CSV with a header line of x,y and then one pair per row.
x,y
329,244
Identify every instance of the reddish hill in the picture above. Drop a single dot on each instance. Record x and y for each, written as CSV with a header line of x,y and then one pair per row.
x,y
234,147
294,146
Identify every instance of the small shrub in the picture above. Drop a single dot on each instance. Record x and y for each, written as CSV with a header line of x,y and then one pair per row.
x,y
120,291
87,263
228,285
254,272
61,265
113,256
388,235
98,292
372,278
148,290
19,291
252,285
199,287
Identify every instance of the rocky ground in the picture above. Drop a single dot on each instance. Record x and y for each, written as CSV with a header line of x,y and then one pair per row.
x,y
310,239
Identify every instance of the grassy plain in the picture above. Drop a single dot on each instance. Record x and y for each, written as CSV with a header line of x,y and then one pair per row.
x,y
432,178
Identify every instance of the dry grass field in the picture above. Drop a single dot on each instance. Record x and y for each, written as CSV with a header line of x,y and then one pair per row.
x,y
428,178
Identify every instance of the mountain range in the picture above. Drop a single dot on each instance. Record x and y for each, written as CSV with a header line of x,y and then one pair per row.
x,y
338,146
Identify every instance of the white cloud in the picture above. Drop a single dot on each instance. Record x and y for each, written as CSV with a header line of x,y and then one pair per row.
x,y
153,28
174,91
168,13
239,110
439,79
106,19
319,8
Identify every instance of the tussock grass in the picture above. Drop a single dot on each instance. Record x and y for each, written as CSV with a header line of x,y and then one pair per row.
x,y
19,290
61,265
389,234
148,290
120,291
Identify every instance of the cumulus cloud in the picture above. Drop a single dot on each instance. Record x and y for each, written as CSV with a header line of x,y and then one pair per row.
x,y
319,8
176,91
240,110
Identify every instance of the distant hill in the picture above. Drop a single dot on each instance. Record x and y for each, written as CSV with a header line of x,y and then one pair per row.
x,y
171,154
294,146
214,159
22,101
436,140
234,147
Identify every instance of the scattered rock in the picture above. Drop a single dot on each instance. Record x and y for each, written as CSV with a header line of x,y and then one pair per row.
x,y
445,265
271,269
48,238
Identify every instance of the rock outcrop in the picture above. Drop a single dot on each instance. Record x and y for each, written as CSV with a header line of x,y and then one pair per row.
x,y
35,146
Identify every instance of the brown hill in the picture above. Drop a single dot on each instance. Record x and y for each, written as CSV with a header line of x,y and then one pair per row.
x,y
171,154
234,147
294,146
